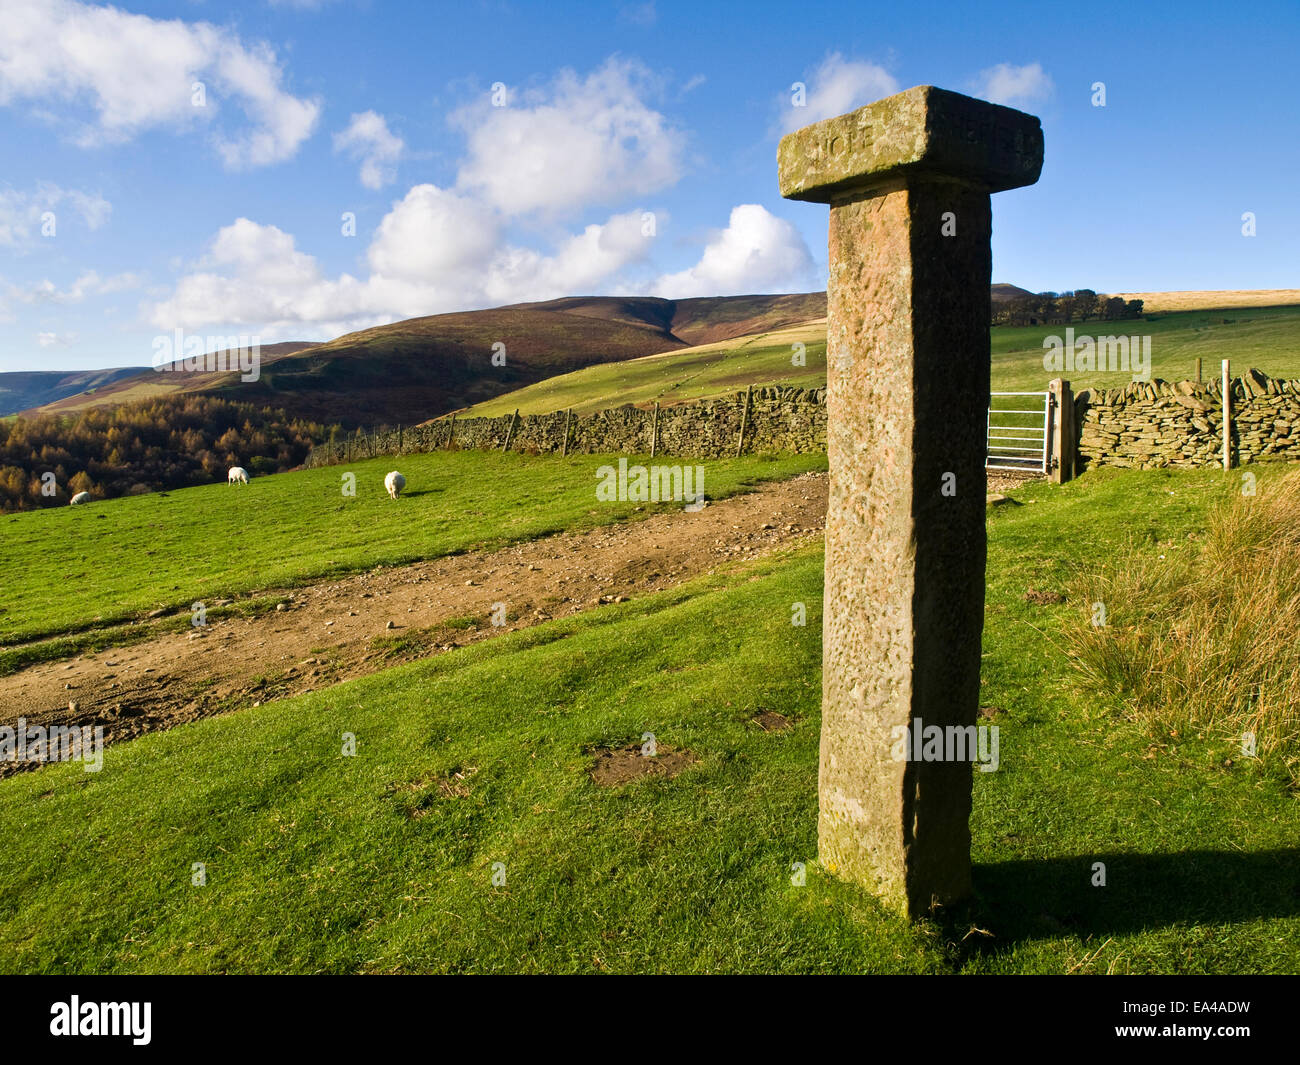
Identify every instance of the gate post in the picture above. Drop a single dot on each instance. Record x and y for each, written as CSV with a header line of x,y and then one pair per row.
x,y
1062,435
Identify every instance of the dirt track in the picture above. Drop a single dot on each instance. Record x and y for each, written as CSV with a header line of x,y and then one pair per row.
x,y
336,630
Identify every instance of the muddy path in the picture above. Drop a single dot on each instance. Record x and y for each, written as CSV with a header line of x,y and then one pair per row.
x,y
335,630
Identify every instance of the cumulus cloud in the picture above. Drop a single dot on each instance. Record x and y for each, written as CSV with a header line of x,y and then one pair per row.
x,y
836,86
577,143
438,251
434,251
1014,86
369,140
137,73
757,252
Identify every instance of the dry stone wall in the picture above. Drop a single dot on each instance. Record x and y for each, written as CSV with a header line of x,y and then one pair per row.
x,y
778,419
1147,425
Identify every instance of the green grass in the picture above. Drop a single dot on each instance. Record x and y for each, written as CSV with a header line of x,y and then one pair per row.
x,y
675,377
70,570
1264,337
383,862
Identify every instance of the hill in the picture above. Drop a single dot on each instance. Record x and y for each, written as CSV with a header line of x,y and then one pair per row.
x,y
415,369
145,382
23,389
676,376
1265,337
1004,293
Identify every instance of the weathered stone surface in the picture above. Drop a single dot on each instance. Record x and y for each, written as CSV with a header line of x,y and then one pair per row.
x,y
905,542
923,131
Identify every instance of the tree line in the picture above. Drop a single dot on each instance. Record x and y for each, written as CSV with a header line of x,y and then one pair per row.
x,y
144,446
1055,308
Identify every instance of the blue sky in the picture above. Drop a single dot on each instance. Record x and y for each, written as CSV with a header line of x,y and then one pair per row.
x,y
634,153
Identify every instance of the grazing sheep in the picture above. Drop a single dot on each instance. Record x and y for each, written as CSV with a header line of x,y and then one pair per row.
x,y
394,482
79,498
237,475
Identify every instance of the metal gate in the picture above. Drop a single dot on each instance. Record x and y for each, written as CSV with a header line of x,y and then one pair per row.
x,y
1019,431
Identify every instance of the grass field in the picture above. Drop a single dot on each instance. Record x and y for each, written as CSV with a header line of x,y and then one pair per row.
x,y
675,377
66,570
384,862
1264,337
1212,300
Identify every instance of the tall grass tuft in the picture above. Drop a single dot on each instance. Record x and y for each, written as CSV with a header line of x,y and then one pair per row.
x,y
1207,639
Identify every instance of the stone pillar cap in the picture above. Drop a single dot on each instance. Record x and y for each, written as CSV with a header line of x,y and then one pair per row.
x,y
924,131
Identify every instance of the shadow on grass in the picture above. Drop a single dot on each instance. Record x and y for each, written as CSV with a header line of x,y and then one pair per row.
x,y
1046,899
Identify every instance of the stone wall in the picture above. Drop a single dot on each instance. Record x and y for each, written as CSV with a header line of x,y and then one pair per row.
x,y
1155,424
779,420
1143,425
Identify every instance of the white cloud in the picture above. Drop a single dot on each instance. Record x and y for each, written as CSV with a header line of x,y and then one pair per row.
x,y
434,251
575,144
368,139
433,232
1014,86
56,340
836,87
581,263
88,284
578,143
20,212
136,73
757,252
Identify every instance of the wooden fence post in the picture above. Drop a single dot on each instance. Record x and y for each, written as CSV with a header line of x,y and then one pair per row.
x,y
451,431
514,418
1227,417
1198,369
1062,428
654,431
564,447
744,419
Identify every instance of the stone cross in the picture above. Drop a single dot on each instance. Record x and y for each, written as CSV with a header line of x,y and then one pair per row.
x,y
908,179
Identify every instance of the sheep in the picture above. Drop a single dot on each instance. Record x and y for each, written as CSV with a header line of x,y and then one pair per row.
x,y
394,482
237,475
79,498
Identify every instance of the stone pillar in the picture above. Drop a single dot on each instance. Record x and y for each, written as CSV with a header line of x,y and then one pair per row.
x,y
908,179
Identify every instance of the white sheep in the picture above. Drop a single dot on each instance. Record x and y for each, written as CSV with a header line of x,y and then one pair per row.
x,y
237,475
394,482
79,498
